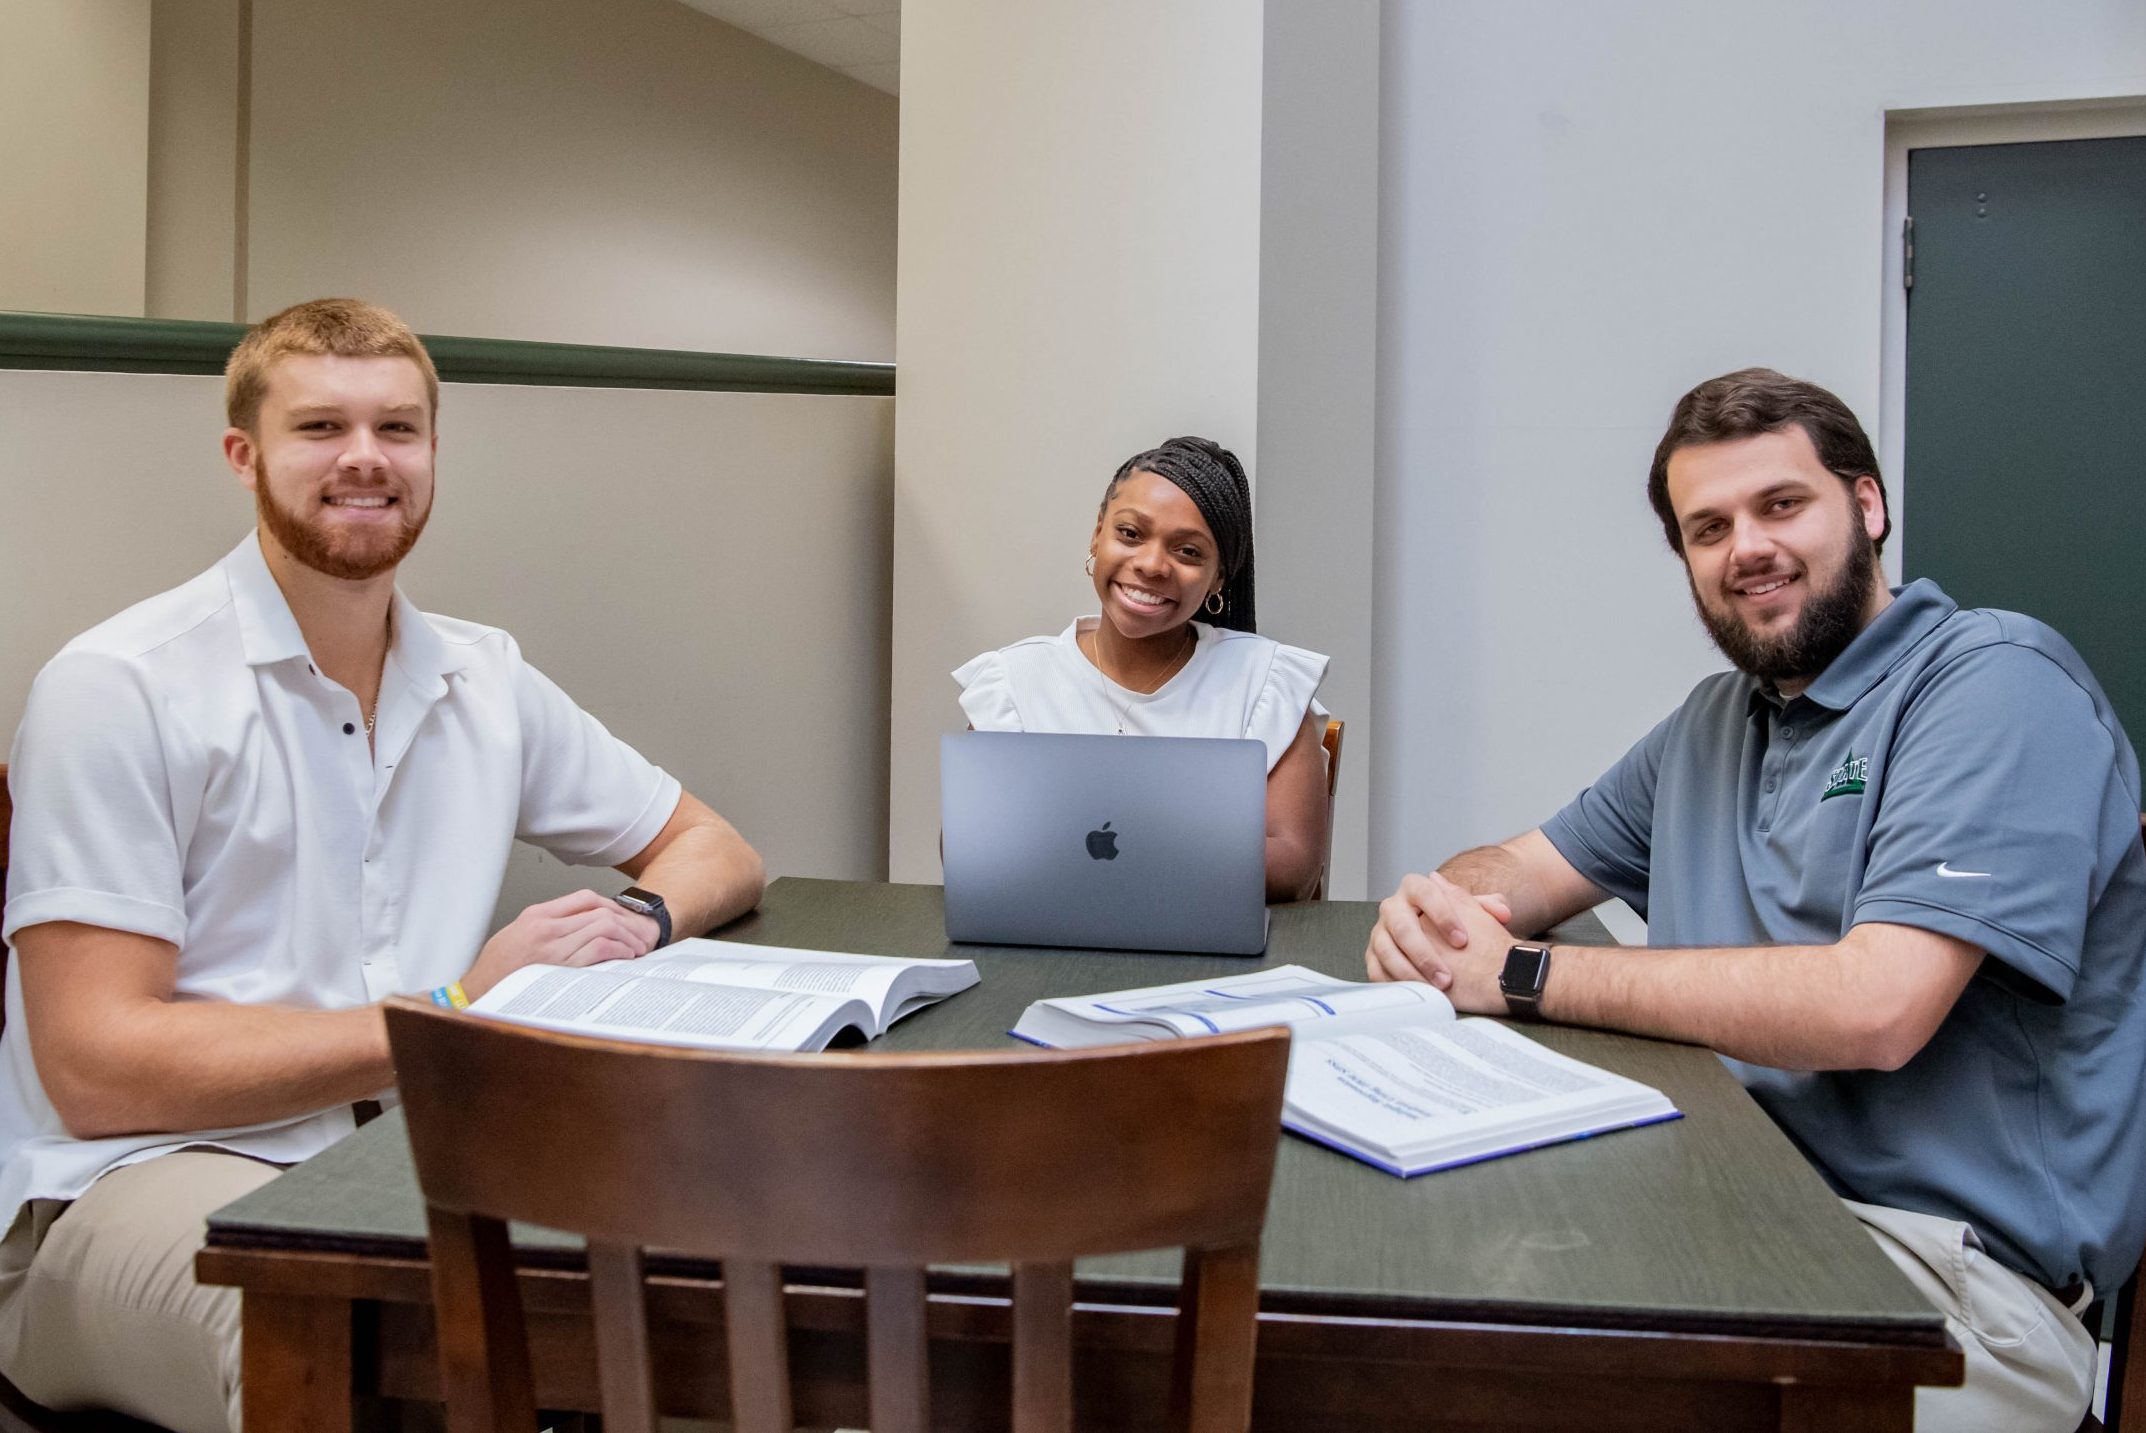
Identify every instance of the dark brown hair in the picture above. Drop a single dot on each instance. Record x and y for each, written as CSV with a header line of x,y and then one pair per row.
x,y
1752,401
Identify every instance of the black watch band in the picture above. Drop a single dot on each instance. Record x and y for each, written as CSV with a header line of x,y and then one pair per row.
x,y
648,903
1526,972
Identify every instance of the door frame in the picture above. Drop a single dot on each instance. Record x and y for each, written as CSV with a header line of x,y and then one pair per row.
x,y
2110,117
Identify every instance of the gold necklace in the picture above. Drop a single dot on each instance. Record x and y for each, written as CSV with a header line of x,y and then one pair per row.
x,y
374,715
1177,663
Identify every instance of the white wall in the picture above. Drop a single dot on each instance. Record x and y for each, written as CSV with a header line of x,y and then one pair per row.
x,y
74,145
724,610
1585,210
584,171
1079,279
1318,369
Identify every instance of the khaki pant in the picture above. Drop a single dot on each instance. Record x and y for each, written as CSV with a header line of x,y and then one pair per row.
x,y
2030,1362
98,1304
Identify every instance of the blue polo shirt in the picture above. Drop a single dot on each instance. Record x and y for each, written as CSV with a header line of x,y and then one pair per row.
x,y
1959,771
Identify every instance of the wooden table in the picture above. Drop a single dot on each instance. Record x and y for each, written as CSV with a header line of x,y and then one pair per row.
x,y
1694,1275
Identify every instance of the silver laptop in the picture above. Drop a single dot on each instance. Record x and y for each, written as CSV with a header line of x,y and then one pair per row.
x,y
1119,842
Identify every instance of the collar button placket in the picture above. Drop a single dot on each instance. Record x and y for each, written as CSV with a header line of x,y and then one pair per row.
x,y
1769,787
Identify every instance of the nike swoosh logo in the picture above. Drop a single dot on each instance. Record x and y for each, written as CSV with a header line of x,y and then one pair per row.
x,y
1945,870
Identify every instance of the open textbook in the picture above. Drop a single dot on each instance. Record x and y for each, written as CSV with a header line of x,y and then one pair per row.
x,y
1387,1073
727,995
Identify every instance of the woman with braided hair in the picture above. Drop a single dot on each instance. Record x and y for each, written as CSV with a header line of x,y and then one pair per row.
x,y
1173,651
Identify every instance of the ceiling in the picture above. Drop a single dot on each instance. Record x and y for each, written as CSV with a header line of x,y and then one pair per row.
x,y
861,38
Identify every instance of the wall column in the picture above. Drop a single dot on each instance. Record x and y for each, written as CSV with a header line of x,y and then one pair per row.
x,y
1109,235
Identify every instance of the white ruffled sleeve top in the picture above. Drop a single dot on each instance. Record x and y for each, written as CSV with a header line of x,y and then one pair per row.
x,y
1236,684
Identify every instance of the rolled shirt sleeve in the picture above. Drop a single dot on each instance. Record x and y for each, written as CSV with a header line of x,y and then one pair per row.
x,y
96,836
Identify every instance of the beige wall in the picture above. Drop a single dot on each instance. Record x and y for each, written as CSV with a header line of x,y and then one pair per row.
x,y
1079,280
74,141
724,610
626,172
588,171
1090,265
197,143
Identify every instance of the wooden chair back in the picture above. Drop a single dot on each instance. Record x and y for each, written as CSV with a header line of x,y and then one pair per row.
x,y
887,1163
1331,744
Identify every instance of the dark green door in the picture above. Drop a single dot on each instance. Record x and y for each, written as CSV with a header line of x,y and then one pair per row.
x,y
2026,392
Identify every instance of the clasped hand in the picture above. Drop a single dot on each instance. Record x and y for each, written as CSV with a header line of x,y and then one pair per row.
x,y
1433,930
580,928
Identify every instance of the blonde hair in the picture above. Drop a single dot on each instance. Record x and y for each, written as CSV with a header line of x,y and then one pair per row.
x,y
347,328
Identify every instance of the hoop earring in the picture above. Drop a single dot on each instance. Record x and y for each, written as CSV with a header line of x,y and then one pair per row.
x,y
1089,566
1214,604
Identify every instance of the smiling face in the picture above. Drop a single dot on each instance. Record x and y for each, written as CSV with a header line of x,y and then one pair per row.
x,y
1155,559
1780,552
340,461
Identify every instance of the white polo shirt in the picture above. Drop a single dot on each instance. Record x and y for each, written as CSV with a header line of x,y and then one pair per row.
x,y
182,771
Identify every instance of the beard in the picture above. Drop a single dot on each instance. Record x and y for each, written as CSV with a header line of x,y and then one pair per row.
x,y
1830,619
353,556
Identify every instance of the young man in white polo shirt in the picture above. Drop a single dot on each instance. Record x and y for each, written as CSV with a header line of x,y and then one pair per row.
x,y
1891,870
248,809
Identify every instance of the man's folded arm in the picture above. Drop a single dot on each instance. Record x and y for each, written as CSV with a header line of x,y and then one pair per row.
x,y
705,871
118,1053
1869,1001
1442,925
1540,887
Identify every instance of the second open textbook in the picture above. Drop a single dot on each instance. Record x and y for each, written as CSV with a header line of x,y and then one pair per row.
x,y
1386,1073
727,995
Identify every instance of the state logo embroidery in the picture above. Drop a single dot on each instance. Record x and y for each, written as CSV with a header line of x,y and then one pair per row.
x,y
1848,778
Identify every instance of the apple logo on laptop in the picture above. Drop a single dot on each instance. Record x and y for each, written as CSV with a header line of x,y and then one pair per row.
x,y
1103,844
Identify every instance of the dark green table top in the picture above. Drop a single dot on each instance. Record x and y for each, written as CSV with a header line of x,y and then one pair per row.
x,y
1712,1223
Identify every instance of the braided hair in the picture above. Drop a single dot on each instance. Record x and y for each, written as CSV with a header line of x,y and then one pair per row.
x,y
1212,477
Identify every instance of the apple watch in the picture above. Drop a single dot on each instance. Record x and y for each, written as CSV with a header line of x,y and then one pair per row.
x,y
1527,971
648,903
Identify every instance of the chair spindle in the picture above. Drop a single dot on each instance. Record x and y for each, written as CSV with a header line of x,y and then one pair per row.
x,y
625,1371
758,1340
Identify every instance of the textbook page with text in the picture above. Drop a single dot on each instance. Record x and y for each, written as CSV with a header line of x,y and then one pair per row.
x,y
722,994
1387,1072
1284,995
1411,1097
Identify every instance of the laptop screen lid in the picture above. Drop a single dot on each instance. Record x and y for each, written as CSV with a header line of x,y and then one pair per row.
x,y
1117,842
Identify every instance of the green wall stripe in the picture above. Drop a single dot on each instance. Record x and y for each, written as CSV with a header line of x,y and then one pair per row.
x,y
150,345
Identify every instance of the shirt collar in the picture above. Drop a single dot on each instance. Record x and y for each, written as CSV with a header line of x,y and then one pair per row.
x,y
268,632
1915,613
419,650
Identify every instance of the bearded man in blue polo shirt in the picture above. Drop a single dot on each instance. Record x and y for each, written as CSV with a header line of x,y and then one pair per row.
x,y
1891,871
